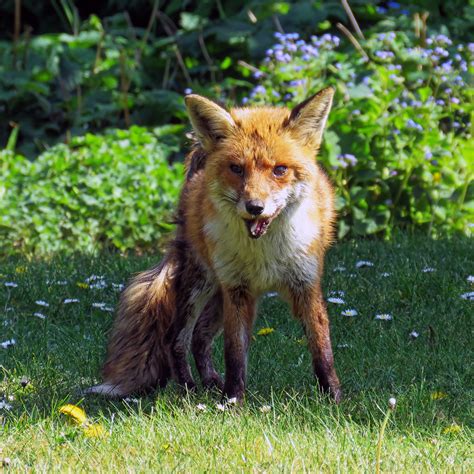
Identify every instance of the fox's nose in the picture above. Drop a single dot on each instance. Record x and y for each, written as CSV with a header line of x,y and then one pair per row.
x,y
254,207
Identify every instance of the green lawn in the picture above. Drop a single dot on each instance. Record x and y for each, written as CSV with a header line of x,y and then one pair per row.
x,y
285,425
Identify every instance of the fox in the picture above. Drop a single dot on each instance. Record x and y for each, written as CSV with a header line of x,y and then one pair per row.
x,y
256,214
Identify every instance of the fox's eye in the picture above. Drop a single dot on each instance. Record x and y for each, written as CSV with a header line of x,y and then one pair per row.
x,y
280,170
237,169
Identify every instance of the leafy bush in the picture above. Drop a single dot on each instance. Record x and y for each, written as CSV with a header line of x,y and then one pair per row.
x,y
111,191
398,145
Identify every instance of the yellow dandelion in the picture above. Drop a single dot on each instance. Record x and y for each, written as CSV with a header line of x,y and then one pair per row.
x,y
439,395
95,430
453,429
83,285
77,414
20,269
302,341
437,177
166,446
265,331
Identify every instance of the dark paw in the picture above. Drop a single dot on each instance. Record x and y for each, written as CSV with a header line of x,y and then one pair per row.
x,y
215,381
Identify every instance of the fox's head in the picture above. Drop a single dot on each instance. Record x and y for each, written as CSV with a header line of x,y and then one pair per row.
x,y
259,160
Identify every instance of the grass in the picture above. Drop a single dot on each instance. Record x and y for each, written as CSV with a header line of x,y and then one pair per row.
x,y
285,424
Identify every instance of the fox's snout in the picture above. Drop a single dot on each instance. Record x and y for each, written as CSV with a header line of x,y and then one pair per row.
x,y
254,206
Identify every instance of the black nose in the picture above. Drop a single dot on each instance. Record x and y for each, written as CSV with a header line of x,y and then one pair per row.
x,y
254,207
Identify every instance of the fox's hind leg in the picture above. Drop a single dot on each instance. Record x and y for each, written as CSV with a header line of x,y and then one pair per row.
x,y
194,292
208,326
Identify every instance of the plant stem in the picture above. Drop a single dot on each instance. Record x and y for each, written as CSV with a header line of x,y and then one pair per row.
x,y
379,444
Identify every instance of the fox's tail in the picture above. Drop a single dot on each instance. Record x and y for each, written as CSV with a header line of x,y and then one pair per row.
x,y
137,360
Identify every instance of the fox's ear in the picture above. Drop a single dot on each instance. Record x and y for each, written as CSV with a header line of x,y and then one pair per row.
x,y
308,119
210,121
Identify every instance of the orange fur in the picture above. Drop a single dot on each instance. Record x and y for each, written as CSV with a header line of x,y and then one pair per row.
x,y
256,214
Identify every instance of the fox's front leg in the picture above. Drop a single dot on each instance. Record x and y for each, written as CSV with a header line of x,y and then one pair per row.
x,y
239,315
310,308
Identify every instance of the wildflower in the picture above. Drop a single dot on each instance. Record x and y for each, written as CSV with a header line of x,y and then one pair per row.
x,y
454,428
392,403
20,269
468,296
339,268
78,415
384,317
364,263
428,270
428,154
336,300
455,100
102,306
9,343
220,407
385,274
11,284
118,286
414,334
39,315
188,91
265,408
42,303
271,294
82,285
350,313
470,278
4,405
201,407
343,346
265,331
384,54
70,300
438,395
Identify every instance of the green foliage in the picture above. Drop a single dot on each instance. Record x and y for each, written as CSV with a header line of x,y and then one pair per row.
x,y
398,146
111,191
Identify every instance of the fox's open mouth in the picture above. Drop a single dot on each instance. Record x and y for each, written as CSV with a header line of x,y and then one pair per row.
x,y
257,227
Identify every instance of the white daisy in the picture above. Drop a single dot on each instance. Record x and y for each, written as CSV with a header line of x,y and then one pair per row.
x,y
468,296
4,405
336,300
271,294
6,344
339,268
39,315
265,408
349,313
414,334
384,317
470,278
364,263
428,270
343,346
42,303
11,284
201,407
70,300
385,274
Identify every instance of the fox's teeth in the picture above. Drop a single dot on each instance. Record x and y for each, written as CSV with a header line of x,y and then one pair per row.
x,y
254,227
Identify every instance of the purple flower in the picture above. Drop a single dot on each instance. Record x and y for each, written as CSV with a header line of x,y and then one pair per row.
x,y
393,5
384,54
455,100
188,91
393,173
428,154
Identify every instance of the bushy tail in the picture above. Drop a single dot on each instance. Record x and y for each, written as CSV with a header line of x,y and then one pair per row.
x,y
136,357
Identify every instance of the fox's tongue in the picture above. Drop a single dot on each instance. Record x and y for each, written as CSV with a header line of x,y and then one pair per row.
x,y
257,227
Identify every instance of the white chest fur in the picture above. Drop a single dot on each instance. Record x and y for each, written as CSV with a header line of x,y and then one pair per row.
x,y
275,259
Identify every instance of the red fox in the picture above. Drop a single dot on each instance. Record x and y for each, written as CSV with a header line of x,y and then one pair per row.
x,y
256,214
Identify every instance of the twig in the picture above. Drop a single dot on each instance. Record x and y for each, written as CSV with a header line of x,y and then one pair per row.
x,y
277,23
353,40
207,57
16,31
352,19
250,67
151,22
124,86
166,26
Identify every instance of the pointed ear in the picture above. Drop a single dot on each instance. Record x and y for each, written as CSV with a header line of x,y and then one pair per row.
x,y
210,121
308,119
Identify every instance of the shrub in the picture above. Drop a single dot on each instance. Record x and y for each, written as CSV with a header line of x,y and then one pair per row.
x,y
107,191
398,145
